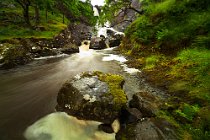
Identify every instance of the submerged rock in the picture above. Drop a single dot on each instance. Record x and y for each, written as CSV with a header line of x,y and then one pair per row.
x,y
93,96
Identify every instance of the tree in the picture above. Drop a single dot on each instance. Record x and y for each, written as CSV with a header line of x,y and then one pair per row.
x,y
77,11
113,9
25,6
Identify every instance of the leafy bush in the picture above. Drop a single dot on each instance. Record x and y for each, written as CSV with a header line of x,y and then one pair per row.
x,y
187,111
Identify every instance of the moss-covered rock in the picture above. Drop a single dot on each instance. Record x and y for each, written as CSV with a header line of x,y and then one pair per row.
x,y
93,96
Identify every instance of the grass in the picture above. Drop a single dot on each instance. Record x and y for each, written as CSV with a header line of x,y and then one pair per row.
x,y
172,41
15,28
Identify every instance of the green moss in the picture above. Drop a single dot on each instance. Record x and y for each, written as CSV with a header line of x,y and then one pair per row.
x,y
187,111
151,61
167,116
115,85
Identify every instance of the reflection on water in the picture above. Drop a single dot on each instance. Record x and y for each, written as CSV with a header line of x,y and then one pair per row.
x,y
60,126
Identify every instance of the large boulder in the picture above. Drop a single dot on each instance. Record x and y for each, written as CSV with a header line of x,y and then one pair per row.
x,y
115,40
98,43
93,96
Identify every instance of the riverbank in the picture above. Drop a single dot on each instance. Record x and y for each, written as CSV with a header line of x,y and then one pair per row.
x,y
185,79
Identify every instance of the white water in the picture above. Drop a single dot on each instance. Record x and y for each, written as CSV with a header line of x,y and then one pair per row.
x,y
103,30
121,60
95,10
60,126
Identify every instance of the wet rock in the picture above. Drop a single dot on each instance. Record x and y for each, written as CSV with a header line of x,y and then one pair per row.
x,y
106,128
167,128
115,40
130,115
69,50
145,130
146,103
110,33
127,17
98,43
93,96
79,32
14,55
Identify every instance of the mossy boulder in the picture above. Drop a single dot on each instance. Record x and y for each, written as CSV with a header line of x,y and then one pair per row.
x,y
93,96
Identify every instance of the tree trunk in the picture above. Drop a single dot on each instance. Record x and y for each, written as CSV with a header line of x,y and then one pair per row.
x,y
26,15
46,15
37,17
63,19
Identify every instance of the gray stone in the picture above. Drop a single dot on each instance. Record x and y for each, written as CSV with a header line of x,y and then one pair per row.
x,y
97,43
87,97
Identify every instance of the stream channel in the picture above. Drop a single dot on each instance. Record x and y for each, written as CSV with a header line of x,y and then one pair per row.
x,y
28,96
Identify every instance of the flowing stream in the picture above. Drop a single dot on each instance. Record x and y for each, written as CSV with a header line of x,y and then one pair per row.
x,y
28,93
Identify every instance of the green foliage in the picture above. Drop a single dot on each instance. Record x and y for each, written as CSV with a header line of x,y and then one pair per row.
x,y
187,111
198,133
12,23
111,9
144,32
17,30
167,116
172,24
151,61
194,64
180,31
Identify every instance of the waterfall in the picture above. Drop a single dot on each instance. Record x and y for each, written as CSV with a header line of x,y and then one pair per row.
x,y
84,49
95,10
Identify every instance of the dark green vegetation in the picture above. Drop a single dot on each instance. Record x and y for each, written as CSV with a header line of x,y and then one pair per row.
x,y
41,18
170,41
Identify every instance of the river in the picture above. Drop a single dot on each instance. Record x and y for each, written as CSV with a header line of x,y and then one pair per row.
x,y
29,92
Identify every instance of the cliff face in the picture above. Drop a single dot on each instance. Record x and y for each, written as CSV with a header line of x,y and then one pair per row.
x,y
126,17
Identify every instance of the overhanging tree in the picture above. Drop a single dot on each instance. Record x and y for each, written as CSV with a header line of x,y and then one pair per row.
x,y
113,9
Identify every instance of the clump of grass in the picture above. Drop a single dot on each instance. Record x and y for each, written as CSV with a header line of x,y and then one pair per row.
x,y
187,111
151,61
166,115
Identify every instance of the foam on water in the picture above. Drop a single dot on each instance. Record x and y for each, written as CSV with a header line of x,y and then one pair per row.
x,y
60,126
49,57
130,70
122,60
112,57
95,10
